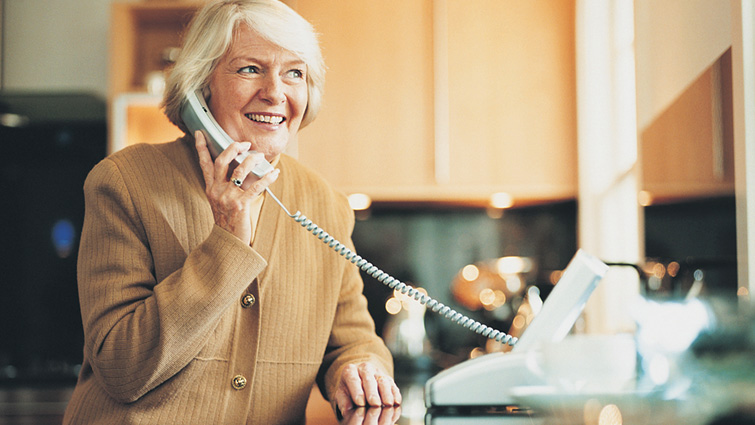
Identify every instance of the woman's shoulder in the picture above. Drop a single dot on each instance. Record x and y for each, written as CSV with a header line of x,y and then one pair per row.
x,y
144,161
145,153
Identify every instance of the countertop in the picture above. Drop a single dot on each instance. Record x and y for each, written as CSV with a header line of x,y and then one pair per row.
x,y
45,405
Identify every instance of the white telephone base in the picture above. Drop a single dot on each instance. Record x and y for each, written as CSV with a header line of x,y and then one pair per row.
x,y
482,381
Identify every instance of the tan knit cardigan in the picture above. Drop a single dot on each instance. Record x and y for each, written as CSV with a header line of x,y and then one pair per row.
x,y
161,286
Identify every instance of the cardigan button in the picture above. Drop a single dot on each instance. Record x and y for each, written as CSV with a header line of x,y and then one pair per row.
x,y
247,300
238,382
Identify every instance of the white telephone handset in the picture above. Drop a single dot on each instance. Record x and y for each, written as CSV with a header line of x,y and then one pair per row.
x,y
196,115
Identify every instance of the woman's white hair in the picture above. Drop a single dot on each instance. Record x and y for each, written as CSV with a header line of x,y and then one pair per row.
x,y
211,33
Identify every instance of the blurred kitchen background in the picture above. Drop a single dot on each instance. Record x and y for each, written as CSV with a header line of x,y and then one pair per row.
x,y
481,143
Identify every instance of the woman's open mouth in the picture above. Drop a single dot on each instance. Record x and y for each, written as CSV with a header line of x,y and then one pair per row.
x,y
266,119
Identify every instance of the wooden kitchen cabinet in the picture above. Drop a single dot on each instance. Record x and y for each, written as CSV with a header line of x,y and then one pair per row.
x,y
509,92
688,151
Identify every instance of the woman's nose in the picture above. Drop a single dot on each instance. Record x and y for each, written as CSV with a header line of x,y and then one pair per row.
x,y
272,90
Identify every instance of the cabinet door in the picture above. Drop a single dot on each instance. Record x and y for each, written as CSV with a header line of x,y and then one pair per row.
x,y
374,132
688,151
512,96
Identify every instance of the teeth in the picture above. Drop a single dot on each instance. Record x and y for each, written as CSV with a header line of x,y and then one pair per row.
x,y
265,118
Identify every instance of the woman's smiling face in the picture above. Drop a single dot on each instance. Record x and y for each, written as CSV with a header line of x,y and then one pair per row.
x,y
258,92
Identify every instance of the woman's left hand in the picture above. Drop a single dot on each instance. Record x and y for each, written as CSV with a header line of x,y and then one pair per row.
x,y
363,385
387,415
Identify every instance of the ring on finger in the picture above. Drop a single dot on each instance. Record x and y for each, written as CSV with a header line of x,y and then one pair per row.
x,y
237,182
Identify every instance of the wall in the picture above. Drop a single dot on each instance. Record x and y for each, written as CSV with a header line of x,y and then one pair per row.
x,y
55,45
743,81
427,248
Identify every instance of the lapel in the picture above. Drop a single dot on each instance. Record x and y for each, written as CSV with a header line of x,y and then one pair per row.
x,y
181,204
272,218
194,202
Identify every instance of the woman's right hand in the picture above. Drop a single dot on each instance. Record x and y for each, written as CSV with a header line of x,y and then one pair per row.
x,y
231,204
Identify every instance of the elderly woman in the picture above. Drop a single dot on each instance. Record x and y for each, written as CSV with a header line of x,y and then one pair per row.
x,y
202,302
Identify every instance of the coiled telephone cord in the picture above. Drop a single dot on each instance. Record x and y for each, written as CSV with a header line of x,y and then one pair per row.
x,y
386,279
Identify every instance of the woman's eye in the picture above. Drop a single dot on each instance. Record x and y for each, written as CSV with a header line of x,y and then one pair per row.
x,y
251,69
296,73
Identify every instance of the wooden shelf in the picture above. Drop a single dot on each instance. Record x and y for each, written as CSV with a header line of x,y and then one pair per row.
x,y
137,118
140,33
